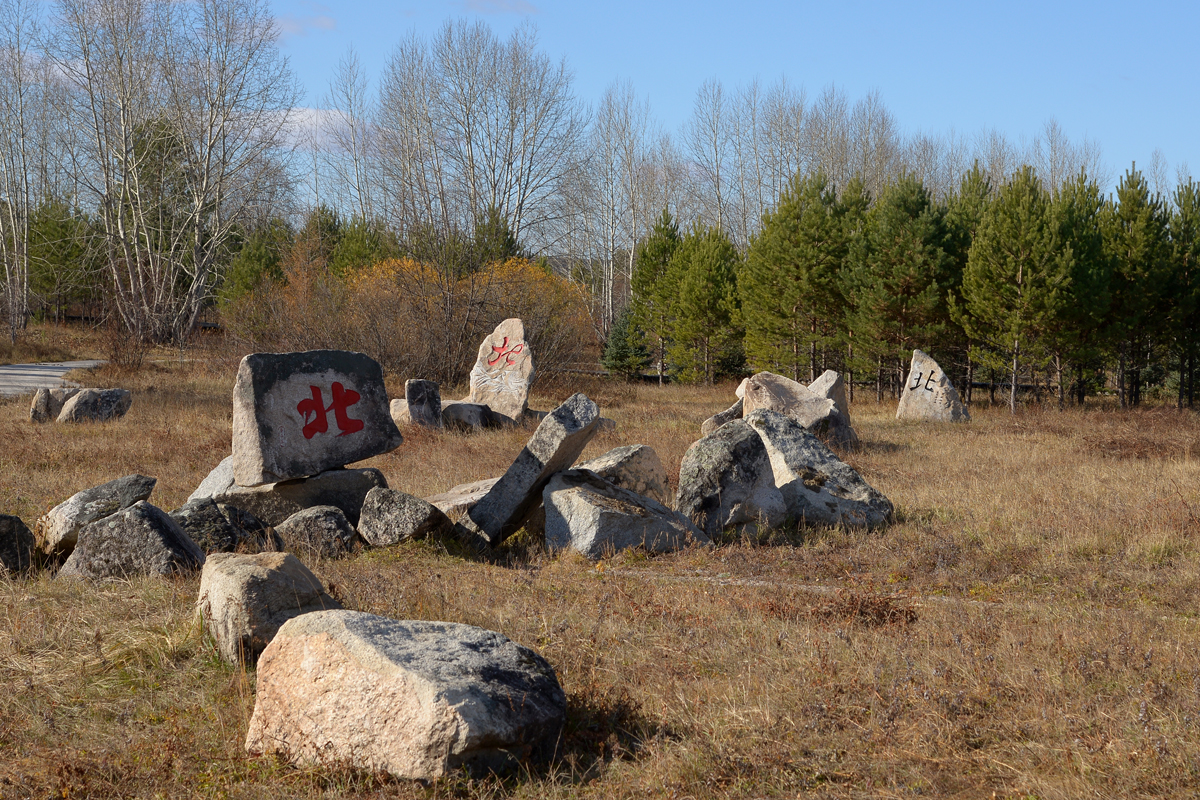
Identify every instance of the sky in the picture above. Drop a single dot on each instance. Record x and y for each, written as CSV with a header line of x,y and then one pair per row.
x,y
1122,74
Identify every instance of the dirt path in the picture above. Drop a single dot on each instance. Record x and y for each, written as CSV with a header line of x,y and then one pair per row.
x,y
18,379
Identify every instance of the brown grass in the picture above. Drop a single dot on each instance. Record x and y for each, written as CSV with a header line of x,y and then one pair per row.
x,y
1027,628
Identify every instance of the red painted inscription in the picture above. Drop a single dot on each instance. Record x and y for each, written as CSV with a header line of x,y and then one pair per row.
x,y
505,352
313,410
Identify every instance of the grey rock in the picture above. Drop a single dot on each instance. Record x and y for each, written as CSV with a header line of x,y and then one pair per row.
x,y
596,518
416,699
818,414
717,420
817,486
254,535
457,501
466,416
16,544
321,531
244,599
275,502
554,446
829,384
635,467
299,414
726,482
48,403
219,481
96,405
503,371
203,522
928,395
59,529
390,517
141,540
424,402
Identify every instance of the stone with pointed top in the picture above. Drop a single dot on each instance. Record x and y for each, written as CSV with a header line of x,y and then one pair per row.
x,y
503,371
929,396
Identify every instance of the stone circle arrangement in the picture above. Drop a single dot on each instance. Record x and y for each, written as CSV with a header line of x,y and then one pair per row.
x,y
419,699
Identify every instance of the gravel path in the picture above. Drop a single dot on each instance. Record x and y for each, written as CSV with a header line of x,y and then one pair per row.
x,y
28,378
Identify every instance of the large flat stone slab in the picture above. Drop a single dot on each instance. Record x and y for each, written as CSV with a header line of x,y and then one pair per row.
x,y
274,502
503,371
929,396
457,501
415,699
298,414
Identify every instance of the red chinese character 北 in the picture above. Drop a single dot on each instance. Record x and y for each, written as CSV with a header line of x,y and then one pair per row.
x,y
315,408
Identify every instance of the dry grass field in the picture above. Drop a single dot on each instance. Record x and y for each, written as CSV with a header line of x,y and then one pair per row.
x,y
1026,628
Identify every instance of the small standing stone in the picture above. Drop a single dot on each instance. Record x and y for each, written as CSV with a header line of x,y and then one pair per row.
x,y
424,403
929,395
503,371
829,384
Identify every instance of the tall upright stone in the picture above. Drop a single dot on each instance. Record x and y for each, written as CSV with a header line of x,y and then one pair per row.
x,y
424,403
829,384
929,395
554,446
503,371
298,414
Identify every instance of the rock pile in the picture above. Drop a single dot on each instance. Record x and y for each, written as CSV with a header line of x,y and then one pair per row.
x,y
79,405
821,408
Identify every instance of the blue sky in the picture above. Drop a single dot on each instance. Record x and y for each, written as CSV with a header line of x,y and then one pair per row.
x,y
1122,74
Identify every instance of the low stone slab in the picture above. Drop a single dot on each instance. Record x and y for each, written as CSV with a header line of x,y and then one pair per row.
x,y
457,501
503,371
16,544
275,502
726,483
59,529
415,699
817,486
635,467
244,599
424,402
141,540
471,417
554,446
928,395
818,414
390,517
48,404
321,531
596,518
717,420
96,405
299,414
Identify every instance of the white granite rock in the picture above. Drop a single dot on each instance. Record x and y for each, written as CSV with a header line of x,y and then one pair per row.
x,y
929,396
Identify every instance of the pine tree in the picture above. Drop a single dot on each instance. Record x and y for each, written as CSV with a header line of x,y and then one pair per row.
x,y
259,259
361,244
653,294
964,211
1184,321
625,351
791,299
703,323
1017,274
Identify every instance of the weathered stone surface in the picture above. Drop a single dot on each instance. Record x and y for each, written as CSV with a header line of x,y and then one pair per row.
x,y
16,544
201,519
554,446
817,486
818,414
58,530
219,481
717,420
48,403
244,599
275,502
96,405
471,416
398,409
390,517
740,392
299,414
141,540
726,482
254,535
929,396
503,371
594,517
829,384
457,501
416,699
321,531
635,467
424,400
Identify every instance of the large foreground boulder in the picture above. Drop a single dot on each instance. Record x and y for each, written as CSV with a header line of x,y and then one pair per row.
x,y
503,371
726,483
818,414
244,599
16,544
817,486
415,699
635,467
141,540
48,403
390,517
96,405
596,518
58,530
299,414
321,531
554,446
929,396
275,502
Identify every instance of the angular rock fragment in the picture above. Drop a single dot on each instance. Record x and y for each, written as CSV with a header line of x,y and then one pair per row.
x,y
299,414
635,467
322,531
554,446
829,384
390,517
205,525
726,483
817,414
929,396
817,486
503,371
48,403
416,699
457,501
218,481
717,420
244,599
466,416
16,545
58,530
596,518
96,405
141,540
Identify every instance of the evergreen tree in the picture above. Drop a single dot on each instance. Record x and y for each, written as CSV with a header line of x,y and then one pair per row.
x,y
1017,274
653,294
625,351
703,330
964,212
259,259
791,299
361,244
494,239
60,270
1184,320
